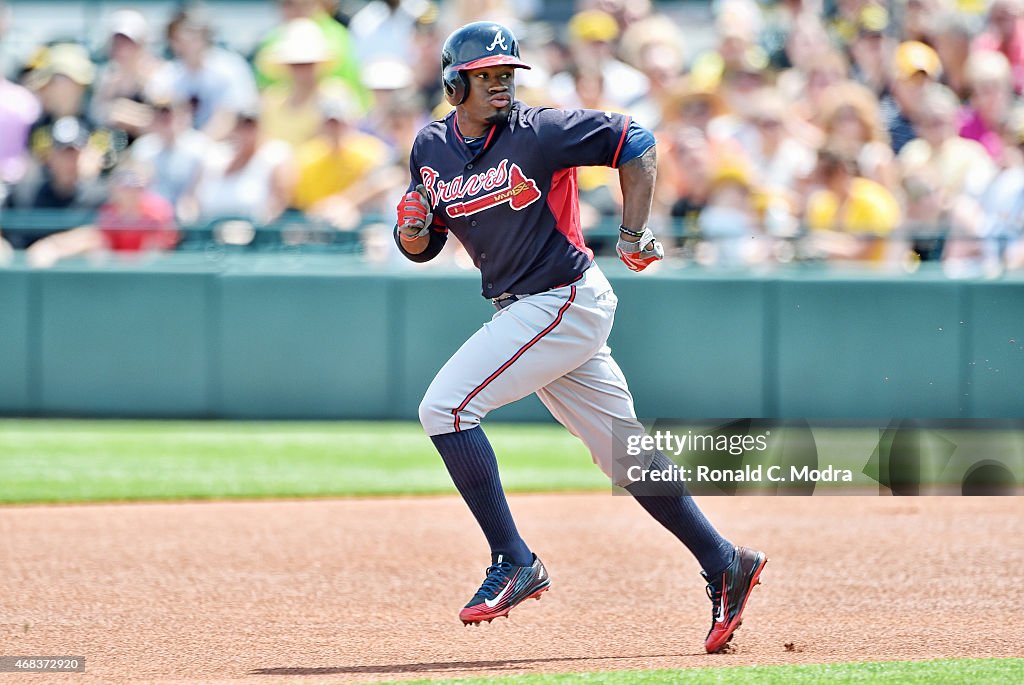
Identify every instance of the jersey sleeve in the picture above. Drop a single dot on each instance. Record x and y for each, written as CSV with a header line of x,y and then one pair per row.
x,y
581,137
438,230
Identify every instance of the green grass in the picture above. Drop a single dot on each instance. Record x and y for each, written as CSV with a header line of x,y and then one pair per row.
x,y
942,672
69,461
75,461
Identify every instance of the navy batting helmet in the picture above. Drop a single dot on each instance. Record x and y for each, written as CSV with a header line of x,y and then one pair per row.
x,y
476,45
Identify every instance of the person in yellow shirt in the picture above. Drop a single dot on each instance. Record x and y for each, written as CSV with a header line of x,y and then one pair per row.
x,y
291,109
343,170
850,217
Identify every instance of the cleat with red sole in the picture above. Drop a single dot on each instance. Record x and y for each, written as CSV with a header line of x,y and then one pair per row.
x,y
729,592
505,587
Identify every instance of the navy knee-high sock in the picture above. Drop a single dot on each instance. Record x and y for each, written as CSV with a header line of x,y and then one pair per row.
x,y
673,507
470,461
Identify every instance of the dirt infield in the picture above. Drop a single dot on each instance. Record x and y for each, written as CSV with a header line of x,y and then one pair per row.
x,y
363,590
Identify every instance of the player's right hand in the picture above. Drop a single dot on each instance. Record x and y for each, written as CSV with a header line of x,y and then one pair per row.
x,y
641,254
414,215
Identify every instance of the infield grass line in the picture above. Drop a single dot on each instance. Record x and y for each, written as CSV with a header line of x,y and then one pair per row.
x,y
937,672
83,460
55,460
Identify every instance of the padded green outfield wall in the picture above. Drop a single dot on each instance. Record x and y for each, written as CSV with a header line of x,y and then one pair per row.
x,y
280,338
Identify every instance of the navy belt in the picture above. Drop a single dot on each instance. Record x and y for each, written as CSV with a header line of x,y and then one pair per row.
x,y
505,299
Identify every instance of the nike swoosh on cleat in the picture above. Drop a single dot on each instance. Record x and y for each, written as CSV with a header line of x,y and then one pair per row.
x,y
497,598
722,614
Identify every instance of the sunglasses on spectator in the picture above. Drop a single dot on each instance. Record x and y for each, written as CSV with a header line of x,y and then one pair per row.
x,y
696,109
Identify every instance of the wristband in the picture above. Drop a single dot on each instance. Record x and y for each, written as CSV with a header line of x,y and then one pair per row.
x,y
635,234
416,236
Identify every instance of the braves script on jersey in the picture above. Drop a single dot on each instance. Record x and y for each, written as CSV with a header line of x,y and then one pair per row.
x,y
514,205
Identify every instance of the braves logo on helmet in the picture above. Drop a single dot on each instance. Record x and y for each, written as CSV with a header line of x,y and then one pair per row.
x,y
499,39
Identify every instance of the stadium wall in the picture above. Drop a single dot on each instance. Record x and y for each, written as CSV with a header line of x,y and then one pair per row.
x,y
283,342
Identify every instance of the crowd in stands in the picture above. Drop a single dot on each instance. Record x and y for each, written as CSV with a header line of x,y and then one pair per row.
x,y
857,131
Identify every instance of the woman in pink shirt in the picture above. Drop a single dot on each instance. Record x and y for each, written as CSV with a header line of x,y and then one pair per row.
x,y
991,96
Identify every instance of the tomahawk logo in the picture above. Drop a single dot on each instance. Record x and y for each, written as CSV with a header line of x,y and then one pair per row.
x,y
520,192
499,40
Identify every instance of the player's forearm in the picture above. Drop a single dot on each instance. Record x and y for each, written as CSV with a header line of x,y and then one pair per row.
x,y
421,249
412,246
637,178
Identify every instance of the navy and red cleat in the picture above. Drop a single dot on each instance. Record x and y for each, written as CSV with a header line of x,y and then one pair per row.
x,y
729,592
504,588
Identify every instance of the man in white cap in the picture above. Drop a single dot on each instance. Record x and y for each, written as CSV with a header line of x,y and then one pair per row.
x,y
121,86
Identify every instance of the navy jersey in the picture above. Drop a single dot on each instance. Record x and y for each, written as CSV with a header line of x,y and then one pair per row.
x,y
514,204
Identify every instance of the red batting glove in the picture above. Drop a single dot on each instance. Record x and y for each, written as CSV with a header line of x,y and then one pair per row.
x,y
638,258
414,215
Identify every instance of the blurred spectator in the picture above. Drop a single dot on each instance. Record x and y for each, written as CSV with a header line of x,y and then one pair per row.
x,y
694,103
915,65
922,19
625,12
655,46
990,84
841,18
59,183
694,166
850,215
172,153
134,220
19,109
291,108
592,40
117,99
383,29
939,228
1004,32
871,49
952,42
852,125
61,75
728,222
1003,200
218,83
779,21
402,121
806,40
829,69
740,82
248,177
780,161
737,64
398,110
343,169
343,65
962,165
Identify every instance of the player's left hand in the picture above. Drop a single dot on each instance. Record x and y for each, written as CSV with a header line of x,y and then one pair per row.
x,y
641,254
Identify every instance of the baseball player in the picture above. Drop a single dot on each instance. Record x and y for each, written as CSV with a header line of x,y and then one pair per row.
x,y
501,176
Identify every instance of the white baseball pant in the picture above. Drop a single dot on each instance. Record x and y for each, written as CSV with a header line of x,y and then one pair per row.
x,y
554,344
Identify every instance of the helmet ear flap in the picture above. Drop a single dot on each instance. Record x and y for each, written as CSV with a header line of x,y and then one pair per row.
x,y
456,86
